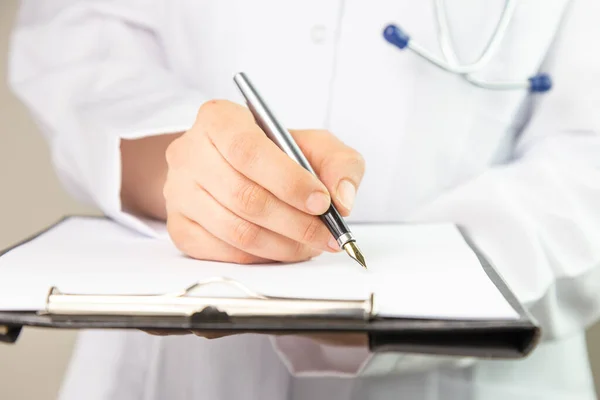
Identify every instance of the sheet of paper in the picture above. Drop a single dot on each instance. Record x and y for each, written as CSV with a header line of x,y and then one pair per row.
x,y
420,271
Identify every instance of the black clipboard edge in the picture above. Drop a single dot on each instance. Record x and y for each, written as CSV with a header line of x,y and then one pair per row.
x,y
487,339
13,330
10,333
526,318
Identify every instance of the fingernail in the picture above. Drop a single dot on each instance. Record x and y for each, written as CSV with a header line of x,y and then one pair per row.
x,y
333,244
317,203
346,193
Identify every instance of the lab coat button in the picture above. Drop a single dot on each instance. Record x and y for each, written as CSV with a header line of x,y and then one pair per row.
x,y
318,33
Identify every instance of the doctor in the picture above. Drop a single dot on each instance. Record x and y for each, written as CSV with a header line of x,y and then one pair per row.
x,y
136,101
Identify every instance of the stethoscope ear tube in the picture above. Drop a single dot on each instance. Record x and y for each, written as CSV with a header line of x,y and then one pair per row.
x,y
396,36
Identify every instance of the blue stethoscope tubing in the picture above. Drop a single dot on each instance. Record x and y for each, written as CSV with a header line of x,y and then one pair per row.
x,y
395,35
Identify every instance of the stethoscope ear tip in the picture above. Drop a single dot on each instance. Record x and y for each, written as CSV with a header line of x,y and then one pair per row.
x,y
396,36
540,83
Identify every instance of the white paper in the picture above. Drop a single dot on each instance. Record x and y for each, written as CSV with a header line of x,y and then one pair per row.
x,y
420,271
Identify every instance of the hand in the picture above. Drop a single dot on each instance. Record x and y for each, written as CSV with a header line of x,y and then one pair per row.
x,y
232,195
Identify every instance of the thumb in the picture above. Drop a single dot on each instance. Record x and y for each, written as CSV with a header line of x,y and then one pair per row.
x,y
339,167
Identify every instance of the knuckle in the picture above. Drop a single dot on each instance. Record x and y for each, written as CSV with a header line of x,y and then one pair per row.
x,y
189,246
184,237
299,185
171,191
169,187
356,159
242,151
300,251
349,160
314,137
208,108
166,189
319,132
217,116
172,153
179,234
311,231
327,162
356,163
252,199
180,152
187,243
245,234
244,258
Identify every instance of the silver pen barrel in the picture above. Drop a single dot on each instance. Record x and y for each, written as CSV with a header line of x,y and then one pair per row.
x,y
275,131
269,123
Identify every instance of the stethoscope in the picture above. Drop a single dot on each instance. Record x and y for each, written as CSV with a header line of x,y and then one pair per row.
x,y
393,34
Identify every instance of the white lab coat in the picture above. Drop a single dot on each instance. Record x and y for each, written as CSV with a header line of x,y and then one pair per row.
x,y
521,173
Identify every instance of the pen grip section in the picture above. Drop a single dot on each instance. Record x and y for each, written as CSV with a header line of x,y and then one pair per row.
x,y
335,223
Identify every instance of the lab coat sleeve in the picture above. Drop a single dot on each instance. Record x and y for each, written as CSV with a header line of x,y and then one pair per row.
x,y
537,217
92,73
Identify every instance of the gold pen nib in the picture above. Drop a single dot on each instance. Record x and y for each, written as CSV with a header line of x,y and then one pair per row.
x,y
354,252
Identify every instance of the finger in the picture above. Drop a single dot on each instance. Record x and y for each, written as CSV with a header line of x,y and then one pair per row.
x,y
254,203
231,128
339,167
200,207
212,335
194,241
180,332
340,339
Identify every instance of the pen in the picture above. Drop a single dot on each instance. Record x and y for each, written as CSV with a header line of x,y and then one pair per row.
x,y
283,139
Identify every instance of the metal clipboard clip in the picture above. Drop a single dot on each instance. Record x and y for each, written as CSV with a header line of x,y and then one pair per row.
x,y
184,304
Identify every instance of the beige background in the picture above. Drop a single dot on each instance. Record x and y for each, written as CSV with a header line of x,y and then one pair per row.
x,y
30,199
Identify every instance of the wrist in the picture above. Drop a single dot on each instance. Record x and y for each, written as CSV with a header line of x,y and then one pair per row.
x,y
143,175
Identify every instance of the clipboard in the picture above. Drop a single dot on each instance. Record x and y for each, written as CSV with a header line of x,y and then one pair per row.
x,y
256,313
